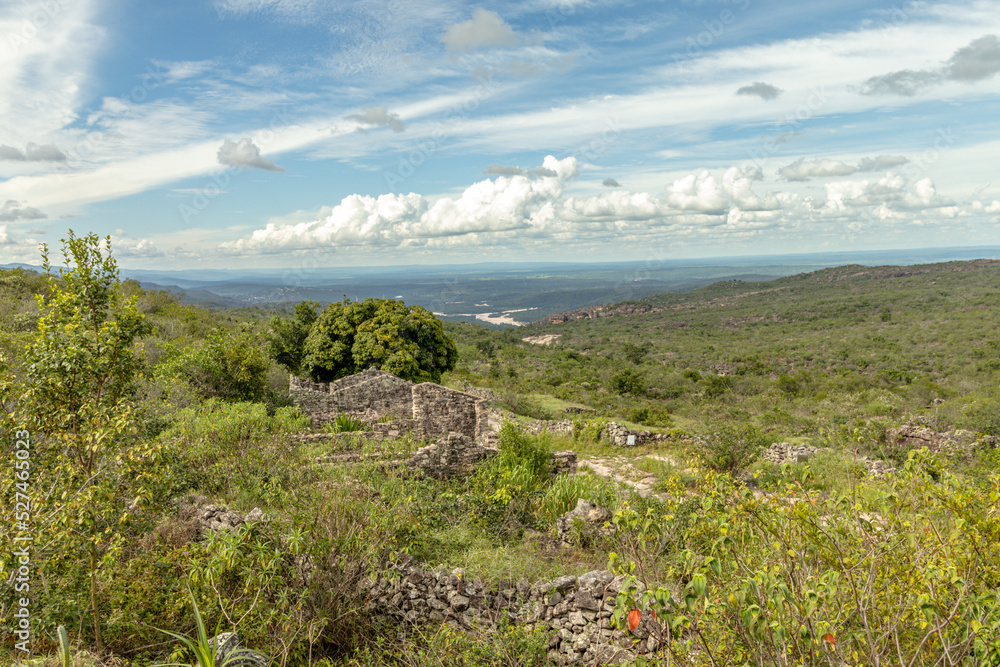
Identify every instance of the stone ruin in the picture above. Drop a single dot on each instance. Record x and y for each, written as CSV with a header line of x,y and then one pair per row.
x,y
426,410
574,612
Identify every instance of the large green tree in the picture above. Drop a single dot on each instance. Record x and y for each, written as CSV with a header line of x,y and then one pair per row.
x,y
351,336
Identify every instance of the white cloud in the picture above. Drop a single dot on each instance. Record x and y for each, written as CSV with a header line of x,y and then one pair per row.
x,y
379,117
892,191
244,153
505,204
483,30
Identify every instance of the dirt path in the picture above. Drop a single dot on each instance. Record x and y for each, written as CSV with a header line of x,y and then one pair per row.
x,y
619,469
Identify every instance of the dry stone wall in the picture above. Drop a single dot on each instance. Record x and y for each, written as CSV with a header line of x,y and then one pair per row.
x,y
574,612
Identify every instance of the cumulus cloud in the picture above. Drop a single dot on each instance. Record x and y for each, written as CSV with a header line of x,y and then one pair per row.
x,y
483,30
33,153
892,192
977,61
11,210
244,153
803,170
5,237
764,91
506,204
379,117
611,183
126,247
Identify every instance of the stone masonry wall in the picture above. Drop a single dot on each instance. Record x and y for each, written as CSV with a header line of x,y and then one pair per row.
x,y
574,612
375,390
441,410
427,410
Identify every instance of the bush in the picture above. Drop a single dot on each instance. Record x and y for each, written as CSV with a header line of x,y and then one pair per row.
x,y
229,365
628,381
733,447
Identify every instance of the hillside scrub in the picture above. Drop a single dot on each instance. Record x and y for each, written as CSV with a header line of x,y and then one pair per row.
x,y
742,562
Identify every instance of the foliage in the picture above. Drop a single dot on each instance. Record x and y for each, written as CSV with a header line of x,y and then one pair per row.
x,y
628,381
900,573
287,338
349,337
228,365
509,484
76,399
732,448
345,423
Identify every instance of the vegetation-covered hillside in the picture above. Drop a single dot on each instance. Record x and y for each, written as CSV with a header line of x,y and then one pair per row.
x,y
724,559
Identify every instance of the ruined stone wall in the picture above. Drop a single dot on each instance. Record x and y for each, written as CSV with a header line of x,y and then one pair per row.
x,y
575,612
313,399
434,410
441,410
373,390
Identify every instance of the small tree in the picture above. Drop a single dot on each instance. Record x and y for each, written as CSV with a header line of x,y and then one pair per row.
x,y
76,398
349,337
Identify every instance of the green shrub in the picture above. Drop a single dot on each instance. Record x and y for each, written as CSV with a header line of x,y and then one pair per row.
x,y
228,365
732,447
628,381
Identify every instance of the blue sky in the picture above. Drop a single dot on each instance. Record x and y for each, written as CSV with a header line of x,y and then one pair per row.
x,y
282,133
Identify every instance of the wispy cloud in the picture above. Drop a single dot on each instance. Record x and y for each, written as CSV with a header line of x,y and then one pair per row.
x,y
977,61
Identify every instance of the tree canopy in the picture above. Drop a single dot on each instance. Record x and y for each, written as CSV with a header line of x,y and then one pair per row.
x,y
351,336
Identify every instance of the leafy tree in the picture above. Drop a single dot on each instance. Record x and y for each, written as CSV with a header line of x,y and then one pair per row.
x,y
76,400
287,340
349,337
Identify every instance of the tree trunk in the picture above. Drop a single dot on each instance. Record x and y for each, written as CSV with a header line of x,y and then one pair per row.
x,y
93,600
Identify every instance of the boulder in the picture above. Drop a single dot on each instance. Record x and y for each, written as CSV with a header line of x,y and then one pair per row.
x,y
584,523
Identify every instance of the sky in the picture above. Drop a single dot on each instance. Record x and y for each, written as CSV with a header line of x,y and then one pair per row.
x,y
324,133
